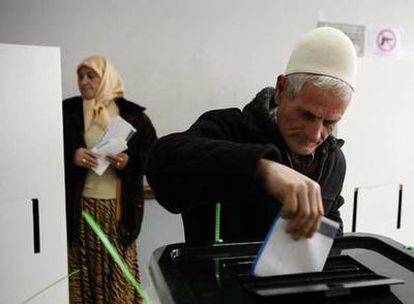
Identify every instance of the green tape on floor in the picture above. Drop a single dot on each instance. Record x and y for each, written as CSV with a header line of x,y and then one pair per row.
x,y
117,258
50,285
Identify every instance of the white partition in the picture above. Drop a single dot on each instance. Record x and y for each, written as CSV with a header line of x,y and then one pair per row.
x,y
384,220
33,254
377,129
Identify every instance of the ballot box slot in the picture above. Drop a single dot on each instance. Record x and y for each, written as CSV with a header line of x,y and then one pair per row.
x,y
241,266
340,275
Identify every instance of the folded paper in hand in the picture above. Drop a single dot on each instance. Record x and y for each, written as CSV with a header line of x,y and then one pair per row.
x,y
280,254
114,141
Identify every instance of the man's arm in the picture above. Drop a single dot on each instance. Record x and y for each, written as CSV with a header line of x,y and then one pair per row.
x,y
208,163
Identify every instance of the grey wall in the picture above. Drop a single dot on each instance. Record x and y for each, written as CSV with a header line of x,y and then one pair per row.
x,y
180,58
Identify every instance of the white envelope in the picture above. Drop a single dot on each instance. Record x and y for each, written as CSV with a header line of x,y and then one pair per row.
x,y
113,141
280,254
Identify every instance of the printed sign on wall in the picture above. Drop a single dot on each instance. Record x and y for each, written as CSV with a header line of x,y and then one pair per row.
x,y
385,40
355,32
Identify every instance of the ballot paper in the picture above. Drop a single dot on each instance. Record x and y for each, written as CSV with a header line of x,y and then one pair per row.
x,y
118,127
113,141
280,254
111,146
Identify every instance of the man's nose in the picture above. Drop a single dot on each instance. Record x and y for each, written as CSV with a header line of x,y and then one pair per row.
x,y
314,131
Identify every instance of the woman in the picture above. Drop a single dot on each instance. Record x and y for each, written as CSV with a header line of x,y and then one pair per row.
x,y
114,199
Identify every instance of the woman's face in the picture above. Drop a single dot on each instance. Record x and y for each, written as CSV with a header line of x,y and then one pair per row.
x,y
88,82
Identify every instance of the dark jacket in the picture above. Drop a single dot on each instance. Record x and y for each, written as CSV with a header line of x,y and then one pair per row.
x,y
216,161
131,177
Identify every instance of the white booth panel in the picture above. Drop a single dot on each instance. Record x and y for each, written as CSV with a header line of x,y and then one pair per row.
x,y
377,129
406,233
377,209
31,167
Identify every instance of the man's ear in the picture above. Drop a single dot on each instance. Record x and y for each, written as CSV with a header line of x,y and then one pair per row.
x,y
280,88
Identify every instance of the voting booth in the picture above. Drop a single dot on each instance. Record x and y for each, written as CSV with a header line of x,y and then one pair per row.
x,y
33,255
361,268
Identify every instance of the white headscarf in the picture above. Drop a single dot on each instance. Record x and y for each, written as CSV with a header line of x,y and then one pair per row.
x,y
110,87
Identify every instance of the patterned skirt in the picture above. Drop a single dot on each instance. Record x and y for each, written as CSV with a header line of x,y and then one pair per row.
x,y
100,280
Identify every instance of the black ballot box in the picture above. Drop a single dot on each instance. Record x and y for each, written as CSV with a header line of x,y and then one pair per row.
x,y
361,268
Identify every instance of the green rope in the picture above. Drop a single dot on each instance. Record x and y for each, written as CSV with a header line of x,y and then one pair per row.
x,y
112,251
50,285
217,238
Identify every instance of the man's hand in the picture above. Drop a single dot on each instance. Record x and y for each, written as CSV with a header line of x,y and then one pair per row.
x,y
300,196
85,158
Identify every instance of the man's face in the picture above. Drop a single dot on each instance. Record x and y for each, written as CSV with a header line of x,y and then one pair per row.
x,y
306,120
88,82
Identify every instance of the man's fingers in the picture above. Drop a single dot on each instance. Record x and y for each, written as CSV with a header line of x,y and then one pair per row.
x,y
315,214
291,208
302,215
313,228
317,211
309,211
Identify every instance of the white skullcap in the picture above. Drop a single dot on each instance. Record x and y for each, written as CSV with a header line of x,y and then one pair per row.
x,y
325,51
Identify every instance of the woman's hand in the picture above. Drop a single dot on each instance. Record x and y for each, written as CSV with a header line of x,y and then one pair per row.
x,y
85,158
119,161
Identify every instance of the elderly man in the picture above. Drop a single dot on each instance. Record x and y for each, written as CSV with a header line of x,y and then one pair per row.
x,y
276,155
